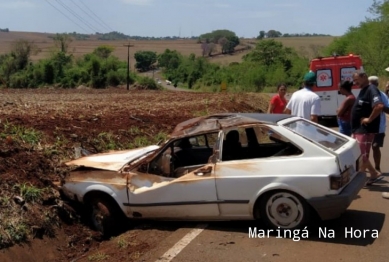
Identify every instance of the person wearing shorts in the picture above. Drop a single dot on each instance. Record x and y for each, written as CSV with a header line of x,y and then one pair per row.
x,y
344,110
379,138
365,122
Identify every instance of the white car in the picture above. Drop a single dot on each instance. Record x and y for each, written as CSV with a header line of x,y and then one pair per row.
x,y
235,166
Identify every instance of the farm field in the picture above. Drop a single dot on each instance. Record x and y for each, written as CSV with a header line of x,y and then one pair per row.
x,y
39,130
305,45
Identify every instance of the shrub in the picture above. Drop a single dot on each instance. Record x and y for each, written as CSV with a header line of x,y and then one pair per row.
x,y
147,83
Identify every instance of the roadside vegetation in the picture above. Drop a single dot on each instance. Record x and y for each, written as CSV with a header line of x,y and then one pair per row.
x,y
98,69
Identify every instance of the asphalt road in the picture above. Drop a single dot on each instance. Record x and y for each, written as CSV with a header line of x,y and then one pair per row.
x,y
230,241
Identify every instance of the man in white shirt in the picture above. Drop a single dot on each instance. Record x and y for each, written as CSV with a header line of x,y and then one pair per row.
x,y
305,103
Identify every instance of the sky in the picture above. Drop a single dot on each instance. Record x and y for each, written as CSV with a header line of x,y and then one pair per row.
x,y
183,18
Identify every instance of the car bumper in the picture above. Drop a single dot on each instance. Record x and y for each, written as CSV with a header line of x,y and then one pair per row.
x,y
330,207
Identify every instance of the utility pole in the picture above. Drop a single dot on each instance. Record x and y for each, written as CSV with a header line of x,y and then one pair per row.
x,y
128,65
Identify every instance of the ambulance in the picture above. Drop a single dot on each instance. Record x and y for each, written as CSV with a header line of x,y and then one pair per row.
x,y
330,71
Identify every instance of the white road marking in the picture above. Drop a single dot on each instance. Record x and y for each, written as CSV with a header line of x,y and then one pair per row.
x,y
180,245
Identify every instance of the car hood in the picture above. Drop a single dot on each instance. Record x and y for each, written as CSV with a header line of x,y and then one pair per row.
x,y
113,160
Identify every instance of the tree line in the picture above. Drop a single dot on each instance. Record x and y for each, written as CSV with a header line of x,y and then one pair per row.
x,y
274,34
97,69
267,65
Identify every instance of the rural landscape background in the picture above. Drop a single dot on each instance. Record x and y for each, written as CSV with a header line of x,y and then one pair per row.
x,y
64,91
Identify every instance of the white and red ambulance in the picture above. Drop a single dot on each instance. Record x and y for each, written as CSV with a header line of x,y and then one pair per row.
x,y
330,71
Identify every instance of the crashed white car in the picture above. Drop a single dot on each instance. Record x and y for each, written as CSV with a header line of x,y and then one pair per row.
x,y
277,167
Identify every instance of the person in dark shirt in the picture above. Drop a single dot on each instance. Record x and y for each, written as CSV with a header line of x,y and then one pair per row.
x,y
365,121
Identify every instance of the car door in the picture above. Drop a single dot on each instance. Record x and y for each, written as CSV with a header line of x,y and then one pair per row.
x,y
258,164
192,195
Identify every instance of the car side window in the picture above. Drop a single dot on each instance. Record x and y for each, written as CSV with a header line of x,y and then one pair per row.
x,y
206,140
256,142
265,135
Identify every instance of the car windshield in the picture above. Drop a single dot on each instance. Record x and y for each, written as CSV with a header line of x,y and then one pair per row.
x,y
317,134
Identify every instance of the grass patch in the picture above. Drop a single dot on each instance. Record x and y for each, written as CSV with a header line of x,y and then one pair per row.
x,y
16,232
21,134
122,243
98,257
29,192
107,141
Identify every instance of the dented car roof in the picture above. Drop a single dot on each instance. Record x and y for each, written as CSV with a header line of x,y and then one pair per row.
x,y
216,122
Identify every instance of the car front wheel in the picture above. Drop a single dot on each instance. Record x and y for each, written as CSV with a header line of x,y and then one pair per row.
x,y
284,210
104,215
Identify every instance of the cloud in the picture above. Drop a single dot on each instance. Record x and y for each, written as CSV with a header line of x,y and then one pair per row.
x,y
289,5
257,14
16,4
220,5
138,2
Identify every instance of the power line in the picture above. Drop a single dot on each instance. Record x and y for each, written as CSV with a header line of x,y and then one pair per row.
x,y
90,15
76,15
66,16
96,15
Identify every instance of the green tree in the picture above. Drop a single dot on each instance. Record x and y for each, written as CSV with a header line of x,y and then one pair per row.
x,y
144,60
266,52
62,42
21,51
215,35
273,33
104,51
369,39
261,35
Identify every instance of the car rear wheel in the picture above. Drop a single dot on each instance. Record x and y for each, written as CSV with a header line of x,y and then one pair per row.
x,y
284,210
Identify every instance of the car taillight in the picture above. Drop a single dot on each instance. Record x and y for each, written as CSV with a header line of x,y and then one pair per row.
x,y
339,181
357,163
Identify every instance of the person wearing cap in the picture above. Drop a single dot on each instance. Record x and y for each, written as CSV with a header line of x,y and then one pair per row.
x,y
379,138
305,103
365,122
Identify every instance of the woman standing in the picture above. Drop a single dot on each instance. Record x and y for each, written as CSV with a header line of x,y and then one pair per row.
x,y
344,110
278,102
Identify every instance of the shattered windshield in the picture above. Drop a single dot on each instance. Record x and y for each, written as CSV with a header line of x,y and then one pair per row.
x,y
317,134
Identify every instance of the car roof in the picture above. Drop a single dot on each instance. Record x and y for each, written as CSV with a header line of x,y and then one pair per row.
x,y
224,120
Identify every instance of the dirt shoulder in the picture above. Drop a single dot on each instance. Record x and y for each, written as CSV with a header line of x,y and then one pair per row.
x,y
39,130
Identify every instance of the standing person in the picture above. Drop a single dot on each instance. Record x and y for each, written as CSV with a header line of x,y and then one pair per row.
x,y
305,103
379,138
278,102
387,89
365,121
344,110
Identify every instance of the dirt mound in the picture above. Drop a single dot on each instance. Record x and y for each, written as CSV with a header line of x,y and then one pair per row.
x,y
39,130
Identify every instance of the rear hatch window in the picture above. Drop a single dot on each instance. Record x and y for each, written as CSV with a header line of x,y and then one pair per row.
x,y
317,134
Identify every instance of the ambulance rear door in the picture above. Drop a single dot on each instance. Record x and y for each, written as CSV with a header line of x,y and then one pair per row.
x,y
327,71
346,74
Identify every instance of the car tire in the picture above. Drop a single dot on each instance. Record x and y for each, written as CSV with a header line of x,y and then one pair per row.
x,y
105,215
284,210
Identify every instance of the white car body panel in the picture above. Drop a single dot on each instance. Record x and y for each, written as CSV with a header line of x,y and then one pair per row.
x,y
112,160
231,188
